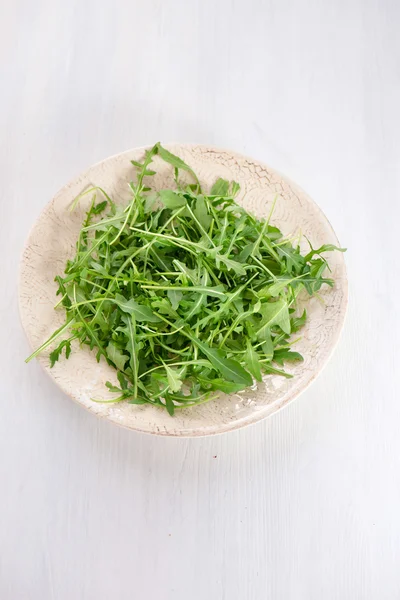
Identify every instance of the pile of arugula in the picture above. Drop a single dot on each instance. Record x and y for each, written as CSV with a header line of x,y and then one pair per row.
x,y
185,293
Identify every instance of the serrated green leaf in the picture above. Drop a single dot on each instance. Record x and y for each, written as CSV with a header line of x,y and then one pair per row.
x,y
252,362
228,387
230,369
283,355
122,381
140,311
169,405
294,260
231,265
171,199
274,313
280,284
96,210
137,164
235,188
175,161
220,188
118,358
298,322
201,212
173,378
267,346
175,296
324,248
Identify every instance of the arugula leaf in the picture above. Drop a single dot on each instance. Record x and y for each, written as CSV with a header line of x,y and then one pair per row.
x,y
132,346
112,388
294,260
228,387
220,188
235,188
324,248
173,378
201,212
274,313
283,355
267,344
175,161
171,199
116,356
175,296
253,362
298,322
232,265
279,286
56,353
230,369
169,405
122,381
185,293
96,210
140,311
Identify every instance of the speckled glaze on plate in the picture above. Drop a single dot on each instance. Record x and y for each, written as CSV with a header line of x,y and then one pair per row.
x,y
53,238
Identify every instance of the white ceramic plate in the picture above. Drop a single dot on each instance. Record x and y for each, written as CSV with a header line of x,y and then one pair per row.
x,y
52,240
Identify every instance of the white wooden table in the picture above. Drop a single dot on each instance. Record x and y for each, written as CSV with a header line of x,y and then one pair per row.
x,y
306,505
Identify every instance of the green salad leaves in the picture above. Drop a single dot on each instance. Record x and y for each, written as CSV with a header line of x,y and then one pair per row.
x,y
183,291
